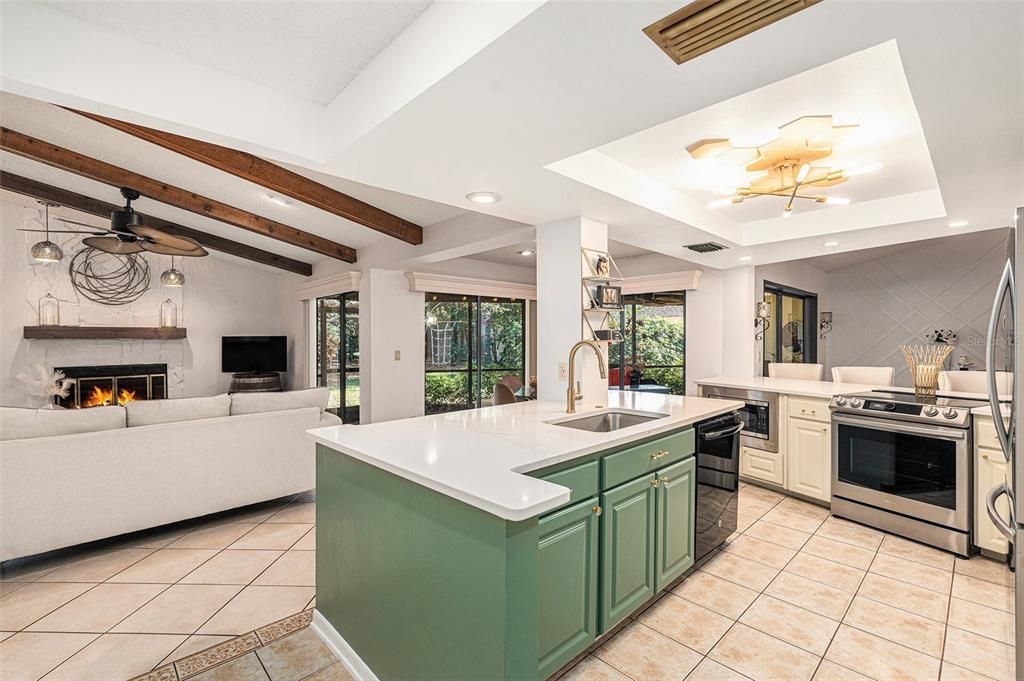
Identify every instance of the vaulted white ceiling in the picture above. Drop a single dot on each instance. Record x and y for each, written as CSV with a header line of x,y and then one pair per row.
x,y
284,46
487,96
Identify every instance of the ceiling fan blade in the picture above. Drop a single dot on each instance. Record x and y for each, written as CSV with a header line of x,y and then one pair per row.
x,y
63,231
113,245
155,236
80,224
164,249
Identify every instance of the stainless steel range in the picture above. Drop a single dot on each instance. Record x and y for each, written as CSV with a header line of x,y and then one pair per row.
x,y
902,463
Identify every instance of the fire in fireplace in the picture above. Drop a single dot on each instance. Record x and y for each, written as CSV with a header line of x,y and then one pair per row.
x,y
100,386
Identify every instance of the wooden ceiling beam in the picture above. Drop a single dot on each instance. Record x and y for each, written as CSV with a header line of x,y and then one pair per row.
x,y
273,177
45,192
100,171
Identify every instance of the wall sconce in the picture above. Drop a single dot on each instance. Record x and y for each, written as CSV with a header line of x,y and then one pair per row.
x,y
762,312
825,324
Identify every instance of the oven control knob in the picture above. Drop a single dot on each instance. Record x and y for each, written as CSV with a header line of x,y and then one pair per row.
x,y
856,402
931,411
951,413
840,401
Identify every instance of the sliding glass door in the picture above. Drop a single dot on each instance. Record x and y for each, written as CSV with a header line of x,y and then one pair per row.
x,y
791,335
337,352
652,355
470,344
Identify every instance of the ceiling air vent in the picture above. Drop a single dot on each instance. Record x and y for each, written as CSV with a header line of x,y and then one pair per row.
x,y
706,247
705,25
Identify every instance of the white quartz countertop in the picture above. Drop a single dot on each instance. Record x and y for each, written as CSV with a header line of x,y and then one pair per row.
x,y
824,389
479,456
788,386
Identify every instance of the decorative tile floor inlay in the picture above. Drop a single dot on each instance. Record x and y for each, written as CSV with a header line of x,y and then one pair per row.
x,y
115,610
795,594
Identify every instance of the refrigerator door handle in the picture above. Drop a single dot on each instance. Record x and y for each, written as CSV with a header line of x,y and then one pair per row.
x,y
1005,287
1005,527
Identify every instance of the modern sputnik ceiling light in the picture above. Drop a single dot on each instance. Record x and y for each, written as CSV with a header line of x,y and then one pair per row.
x,y
46,250
783,166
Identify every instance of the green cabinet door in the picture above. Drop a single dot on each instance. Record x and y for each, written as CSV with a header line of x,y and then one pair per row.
x,y
627,549
676,493
567,584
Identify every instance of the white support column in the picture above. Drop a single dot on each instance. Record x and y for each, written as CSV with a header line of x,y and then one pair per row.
x,y
560,309
390,322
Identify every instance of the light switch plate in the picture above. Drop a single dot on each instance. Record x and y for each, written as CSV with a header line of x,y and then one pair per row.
x,y
398,355
563,371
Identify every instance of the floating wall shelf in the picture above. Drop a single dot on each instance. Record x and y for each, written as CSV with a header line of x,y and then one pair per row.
x,y
104,332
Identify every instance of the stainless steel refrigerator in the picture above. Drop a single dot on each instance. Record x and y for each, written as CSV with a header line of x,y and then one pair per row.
x,y
1007,317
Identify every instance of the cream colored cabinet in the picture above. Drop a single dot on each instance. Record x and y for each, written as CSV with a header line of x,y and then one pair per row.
x,y
809,458
807,446
990,469
758,464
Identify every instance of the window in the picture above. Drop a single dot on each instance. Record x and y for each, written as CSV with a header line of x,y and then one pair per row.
x,y
652,356
790,337
470,343
337,352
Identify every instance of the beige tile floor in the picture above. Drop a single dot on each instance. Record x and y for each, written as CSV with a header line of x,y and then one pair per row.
x,y
798,595
795,594
122,609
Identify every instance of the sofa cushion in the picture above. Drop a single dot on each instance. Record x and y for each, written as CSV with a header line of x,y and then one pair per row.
x,y
150,412
254,403
17,423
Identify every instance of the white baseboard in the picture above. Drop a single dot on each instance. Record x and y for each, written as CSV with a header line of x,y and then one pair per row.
x,y
341,649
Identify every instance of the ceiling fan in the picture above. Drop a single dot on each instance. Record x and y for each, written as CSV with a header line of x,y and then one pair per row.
x,y
128,235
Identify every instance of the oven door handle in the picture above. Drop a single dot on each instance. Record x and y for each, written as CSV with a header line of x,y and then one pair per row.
x,y
890,426
1005,287
1005,527
716,434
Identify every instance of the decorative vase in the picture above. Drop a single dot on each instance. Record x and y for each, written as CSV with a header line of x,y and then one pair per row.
x,y
49,310
925,362
168,314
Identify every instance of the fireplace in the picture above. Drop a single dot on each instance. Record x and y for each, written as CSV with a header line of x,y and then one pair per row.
x,y
99,386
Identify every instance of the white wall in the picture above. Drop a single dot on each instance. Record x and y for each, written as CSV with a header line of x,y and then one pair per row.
x,y
895,300
221,297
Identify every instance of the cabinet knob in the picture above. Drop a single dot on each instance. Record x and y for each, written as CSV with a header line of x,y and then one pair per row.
x,y
664,480
654,483
597,510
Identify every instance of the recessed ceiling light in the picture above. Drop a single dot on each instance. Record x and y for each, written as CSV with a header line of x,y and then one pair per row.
x,y
484,197
959,223
831,244
745,258
280,200
526,252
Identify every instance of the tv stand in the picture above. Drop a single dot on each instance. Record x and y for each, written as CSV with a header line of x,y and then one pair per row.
x,y
256,382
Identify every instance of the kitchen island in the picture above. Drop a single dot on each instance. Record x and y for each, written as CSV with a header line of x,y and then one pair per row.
x,y
495,543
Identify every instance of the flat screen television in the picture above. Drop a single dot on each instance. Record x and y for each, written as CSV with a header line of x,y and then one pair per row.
x,y
244,354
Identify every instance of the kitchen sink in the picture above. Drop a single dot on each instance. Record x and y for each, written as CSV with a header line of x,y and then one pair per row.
x,y
610,420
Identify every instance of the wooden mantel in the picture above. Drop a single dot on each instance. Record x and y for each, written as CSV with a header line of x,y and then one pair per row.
x,y
104,332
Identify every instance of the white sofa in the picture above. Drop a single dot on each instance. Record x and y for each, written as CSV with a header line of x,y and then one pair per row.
x,y
80,475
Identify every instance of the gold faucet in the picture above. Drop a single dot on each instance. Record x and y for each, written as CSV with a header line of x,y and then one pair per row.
x,y
572,395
